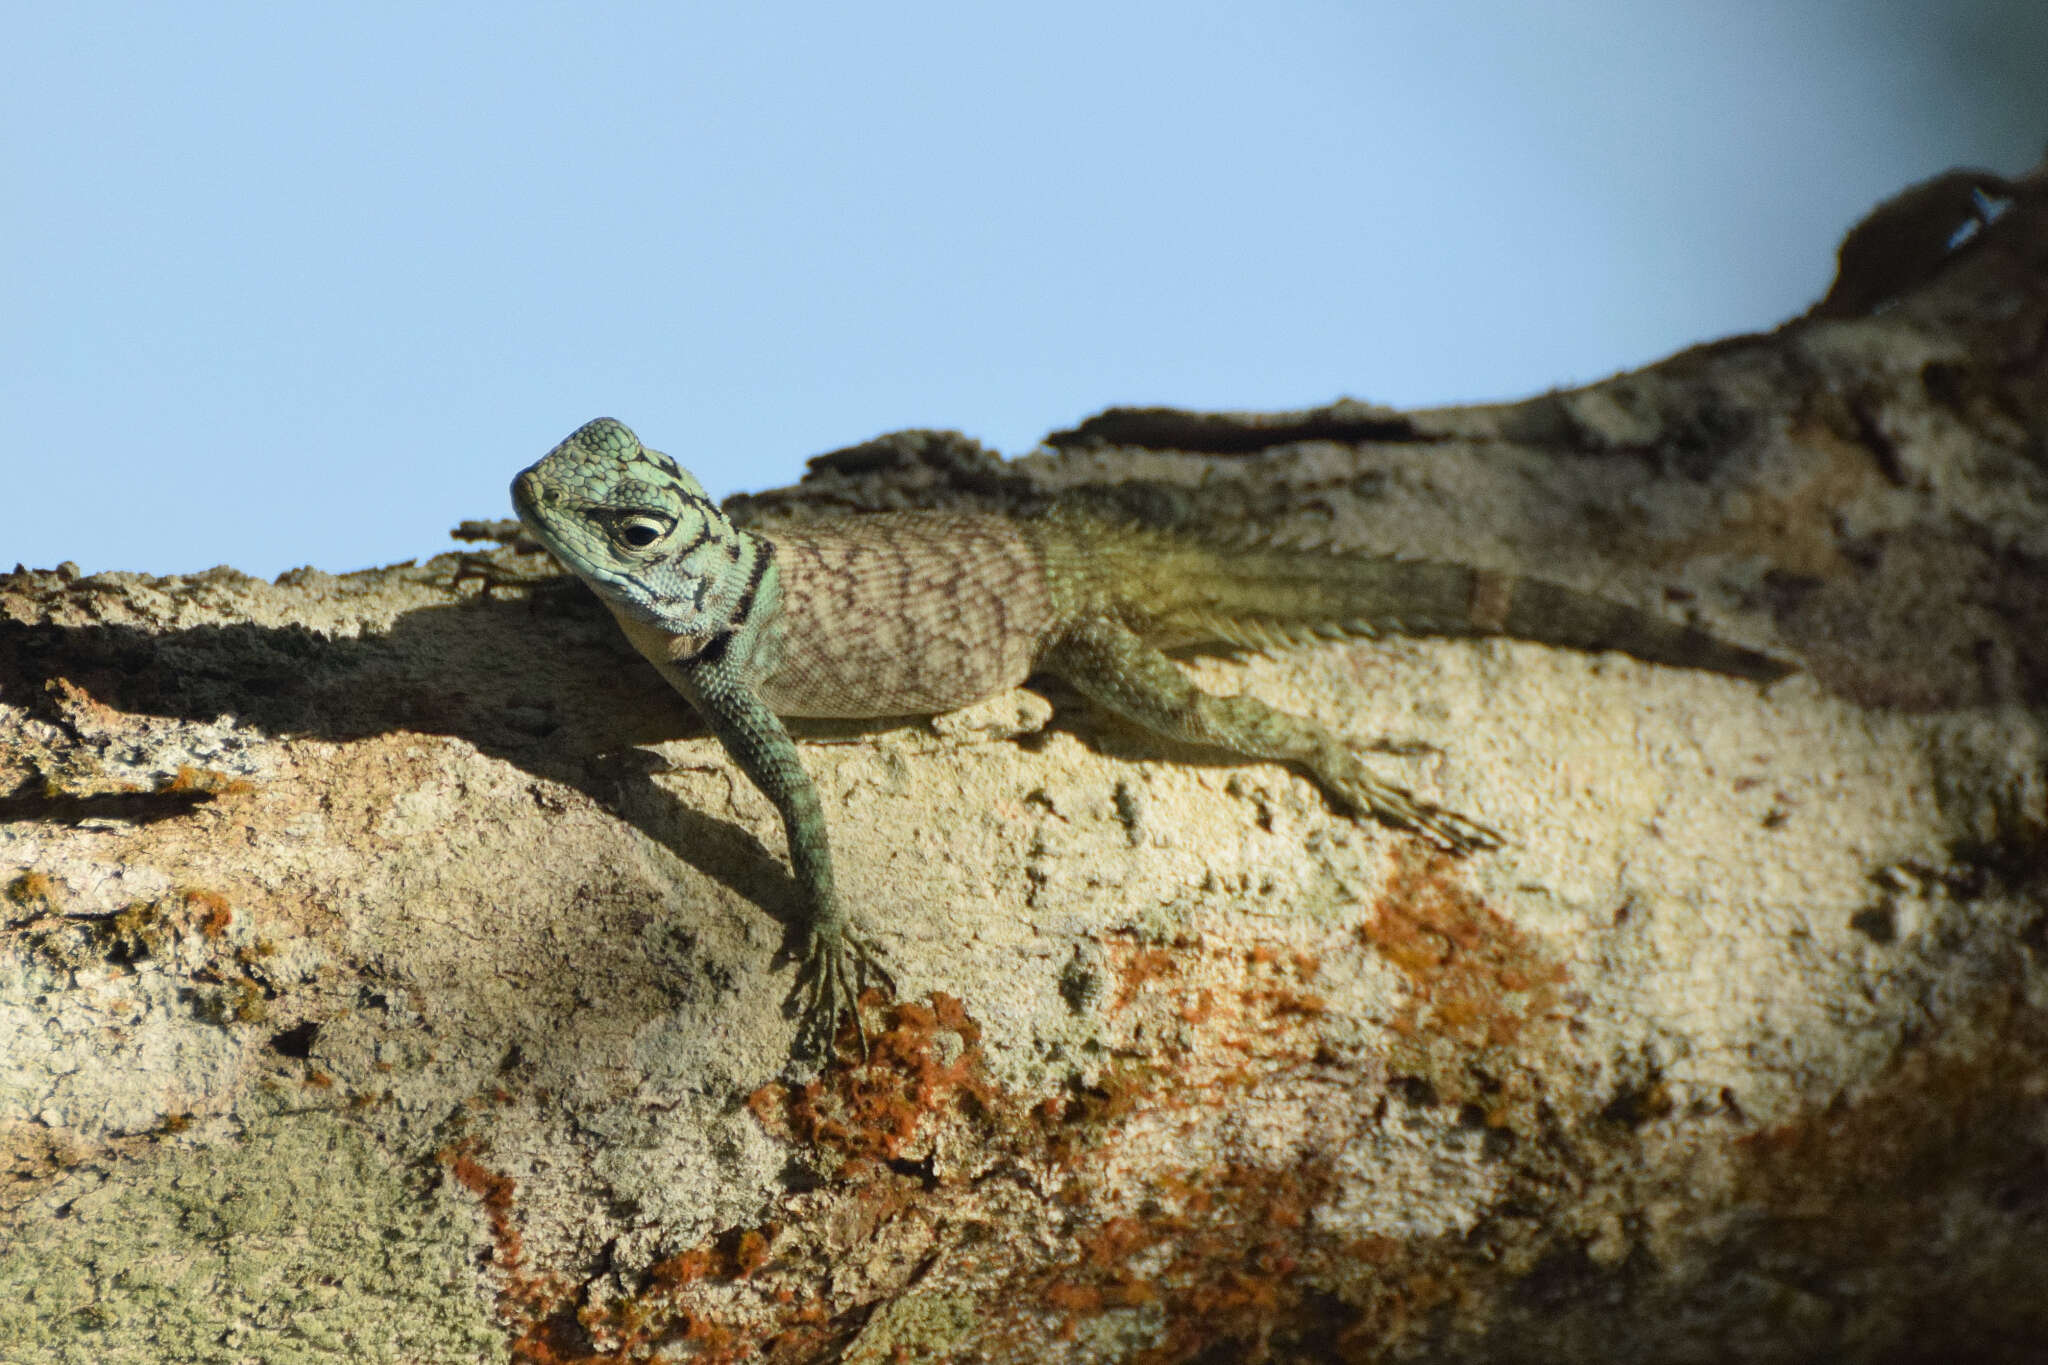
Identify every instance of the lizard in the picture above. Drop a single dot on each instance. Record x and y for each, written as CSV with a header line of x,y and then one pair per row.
x,y
890,614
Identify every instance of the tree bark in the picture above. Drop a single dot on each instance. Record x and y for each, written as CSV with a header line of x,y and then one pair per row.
x,y
382,979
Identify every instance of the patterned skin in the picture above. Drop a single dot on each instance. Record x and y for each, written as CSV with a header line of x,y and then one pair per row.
x,y
914,613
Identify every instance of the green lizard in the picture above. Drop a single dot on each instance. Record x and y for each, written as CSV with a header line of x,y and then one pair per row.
x,y
916,613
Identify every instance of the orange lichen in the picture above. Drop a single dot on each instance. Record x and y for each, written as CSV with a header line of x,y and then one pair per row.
x,y
670,1308
1227,1256
766,1104
1227,1253
519,1294
1074,1125
531,1305
686,1267
1138,967
205,781
1298,1003
493,1191
731,1297
876,1108
214,912
1473,975
751,1253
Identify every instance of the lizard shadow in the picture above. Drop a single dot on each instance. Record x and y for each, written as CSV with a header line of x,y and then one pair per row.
x,y
544,683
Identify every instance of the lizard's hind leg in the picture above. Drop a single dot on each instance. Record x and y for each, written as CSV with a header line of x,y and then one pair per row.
x,y
1109,663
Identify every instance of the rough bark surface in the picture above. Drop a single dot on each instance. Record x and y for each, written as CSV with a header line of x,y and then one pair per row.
x,y
381,978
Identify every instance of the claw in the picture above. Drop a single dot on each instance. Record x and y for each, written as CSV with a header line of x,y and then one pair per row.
x,y
1455,832
836,967
1402,809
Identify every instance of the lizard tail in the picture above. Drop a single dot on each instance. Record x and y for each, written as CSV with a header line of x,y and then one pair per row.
x,y
1259,596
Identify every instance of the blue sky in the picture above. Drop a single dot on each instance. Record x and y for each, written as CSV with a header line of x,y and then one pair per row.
x,y
286,284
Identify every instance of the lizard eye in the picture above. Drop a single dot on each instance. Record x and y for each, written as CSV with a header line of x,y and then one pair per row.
x,y
642,531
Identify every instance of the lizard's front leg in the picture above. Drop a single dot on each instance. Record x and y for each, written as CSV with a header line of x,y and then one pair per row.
x,y
835,961
1109,663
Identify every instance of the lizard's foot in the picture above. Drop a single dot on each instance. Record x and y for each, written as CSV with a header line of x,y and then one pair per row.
x,y
1450,829
1403,809
835,968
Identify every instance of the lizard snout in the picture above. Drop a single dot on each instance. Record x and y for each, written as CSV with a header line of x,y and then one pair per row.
x,y
529,492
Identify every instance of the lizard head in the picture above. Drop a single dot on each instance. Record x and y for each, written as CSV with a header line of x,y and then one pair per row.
x,y
631,523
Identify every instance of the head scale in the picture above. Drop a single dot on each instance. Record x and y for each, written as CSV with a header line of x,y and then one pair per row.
x,y
636,527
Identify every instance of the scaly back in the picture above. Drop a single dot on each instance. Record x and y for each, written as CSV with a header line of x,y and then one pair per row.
x,y
903,613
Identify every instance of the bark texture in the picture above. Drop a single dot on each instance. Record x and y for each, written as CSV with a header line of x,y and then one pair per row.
x,y
370,989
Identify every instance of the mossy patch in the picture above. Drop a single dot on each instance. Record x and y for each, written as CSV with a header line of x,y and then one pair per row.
x,y
298,1242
